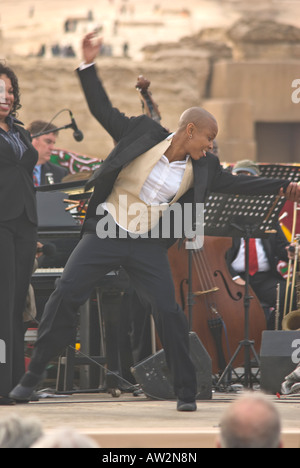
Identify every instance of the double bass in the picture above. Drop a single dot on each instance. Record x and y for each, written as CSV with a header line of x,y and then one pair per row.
x,y
218,301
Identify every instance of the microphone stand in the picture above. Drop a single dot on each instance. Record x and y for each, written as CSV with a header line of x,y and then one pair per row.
x,y
53,131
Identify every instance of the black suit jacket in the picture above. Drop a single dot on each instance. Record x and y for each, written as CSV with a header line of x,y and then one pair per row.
x,y
17,191
136,135
58,172
274,247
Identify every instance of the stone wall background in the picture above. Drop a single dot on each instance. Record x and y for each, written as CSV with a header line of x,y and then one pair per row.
x,y
237,60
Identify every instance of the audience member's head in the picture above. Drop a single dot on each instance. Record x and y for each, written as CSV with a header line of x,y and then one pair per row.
x,y
16,432
44,144
65,437
252,421
246,167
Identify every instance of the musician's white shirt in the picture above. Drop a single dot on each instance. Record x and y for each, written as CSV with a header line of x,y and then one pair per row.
x,y
239,262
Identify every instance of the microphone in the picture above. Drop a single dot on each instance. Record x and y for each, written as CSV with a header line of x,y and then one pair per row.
x,y
48,249
78,135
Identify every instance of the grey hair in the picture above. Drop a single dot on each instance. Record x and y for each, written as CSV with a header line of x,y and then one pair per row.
x,y
261,429
16,432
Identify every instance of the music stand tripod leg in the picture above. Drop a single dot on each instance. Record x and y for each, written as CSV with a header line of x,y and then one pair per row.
x,y
245,343
190,298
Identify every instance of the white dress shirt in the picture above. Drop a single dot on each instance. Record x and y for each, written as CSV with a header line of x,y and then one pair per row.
x,y
163,181
239,262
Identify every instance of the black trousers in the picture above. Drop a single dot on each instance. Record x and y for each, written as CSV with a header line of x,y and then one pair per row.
x,y
18,238
146,263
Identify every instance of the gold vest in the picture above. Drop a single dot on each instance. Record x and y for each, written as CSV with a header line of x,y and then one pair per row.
x,y
124,203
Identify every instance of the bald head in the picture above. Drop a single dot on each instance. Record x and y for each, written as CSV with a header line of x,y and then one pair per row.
x,y
251,422
197,116
196,132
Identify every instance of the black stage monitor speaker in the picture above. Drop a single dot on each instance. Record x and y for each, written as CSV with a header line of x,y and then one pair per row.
x,y
279,356
155,379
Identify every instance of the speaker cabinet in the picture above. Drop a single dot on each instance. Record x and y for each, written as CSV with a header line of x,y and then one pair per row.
x,y
279,356
155,379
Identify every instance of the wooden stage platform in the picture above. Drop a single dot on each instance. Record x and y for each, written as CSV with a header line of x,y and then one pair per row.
x,y
137,422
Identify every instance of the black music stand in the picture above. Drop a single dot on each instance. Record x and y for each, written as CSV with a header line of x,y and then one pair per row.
x,y
246,343
280,171
242,216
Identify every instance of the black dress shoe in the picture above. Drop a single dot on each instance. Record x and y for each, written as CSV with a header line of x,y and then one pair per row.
x,y
34,397
25,390
186,406
5,401
22,394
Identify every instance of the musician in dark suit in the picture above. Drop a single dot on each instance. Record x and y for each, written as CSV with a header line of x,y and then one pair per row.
x,y
148,168
18,231
264,276
45,172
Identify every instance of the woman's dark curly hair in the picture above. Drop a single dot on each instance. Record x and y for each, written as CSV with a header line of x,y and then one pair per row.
x,y
4,70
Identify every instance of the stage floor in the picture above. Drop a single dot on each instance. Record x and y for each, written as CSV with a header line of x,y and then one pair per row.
x,y
137,422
